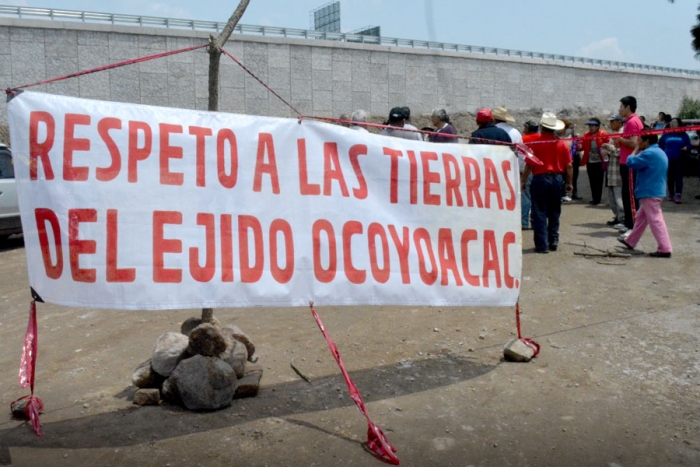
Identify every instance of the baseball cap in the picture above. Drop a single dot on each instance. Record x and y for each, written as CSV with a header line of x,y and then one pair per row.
x,y
484,116
532,125
615,117
396,114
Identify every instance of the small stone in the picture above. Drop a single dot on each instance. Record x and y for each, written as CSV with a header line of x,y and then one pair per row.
x,y
189,325
147,397
436,330
170,348
252,368
240,336
517,351
235,355
18,408
206,340
249,385
86,406
482,337
169,392
145,377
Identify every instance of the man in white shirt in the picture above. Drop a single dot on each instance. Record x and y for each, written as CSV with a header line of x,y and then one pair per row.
x,y
503,121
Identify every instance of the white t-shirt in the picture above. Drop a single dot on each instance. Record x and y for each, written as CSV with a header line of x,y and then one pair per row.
x,y
515,137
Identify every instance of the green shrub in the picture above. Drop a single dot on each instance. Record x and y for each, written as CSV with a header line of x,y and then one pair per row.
x,y
690,108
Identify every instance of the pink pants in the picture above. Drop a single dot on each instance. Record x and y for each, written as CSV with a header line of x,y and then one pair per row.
x,y
650,213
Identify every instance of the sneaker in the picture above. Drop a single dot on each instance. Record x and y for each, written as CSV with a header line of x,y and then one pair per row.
x,y
553,247
677,198
626,233
611,223
659,254
566,199
620,226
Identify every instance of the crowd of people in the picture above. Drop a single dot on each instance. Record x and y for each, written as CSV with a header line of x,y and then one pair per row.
x,y
637,170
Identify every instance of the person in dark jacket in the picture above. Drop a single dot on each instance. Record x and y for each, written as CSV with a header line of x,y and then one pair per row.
x,y
488,133
676,145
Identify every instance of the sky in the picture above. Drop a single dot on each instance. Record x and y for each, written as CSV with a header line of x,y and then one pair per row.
x,y
653,32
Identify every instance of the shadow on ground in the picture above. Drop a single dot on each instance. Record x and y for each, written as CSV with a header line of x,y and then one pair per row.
x,y
12,243
133,426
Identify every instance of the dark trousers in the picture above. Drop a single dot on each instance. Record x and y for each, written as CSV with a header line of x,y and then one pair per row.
x,y
674,179
546,192
576,163
626,197
595,178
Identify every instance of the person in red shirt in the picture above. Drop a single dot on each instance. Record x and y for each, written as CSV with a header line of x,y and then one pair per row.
x,y
632,129
547,185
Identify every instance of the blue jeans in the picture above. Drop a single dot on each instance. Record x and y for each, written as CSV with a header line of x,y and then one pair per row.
x,y
546,192
525,203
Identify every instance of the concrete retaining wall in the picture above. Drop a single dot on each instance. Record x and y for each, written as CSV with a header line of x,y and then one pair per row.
x,y
323,78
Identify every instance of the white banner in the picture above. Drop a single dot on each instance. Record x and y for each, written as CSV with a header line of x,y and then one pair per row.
x,y
137,207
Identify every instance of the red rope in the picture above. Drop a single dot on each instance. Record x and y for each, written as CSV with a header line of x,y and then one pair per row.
x,y
107,67
525,340
27,369
261,82
376,440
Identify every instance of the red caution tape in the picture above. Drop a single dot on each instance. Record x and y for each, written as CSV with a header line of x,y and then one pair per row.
x,y
377,443
27,366
525,340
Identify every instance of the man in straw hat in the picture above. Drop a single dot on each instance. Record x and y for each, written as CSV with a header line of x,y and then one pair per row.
x,y
548,182
503,121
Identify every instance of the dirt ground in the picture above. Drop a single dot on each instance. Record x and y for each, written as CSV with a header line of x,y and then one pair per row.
x,y
617,382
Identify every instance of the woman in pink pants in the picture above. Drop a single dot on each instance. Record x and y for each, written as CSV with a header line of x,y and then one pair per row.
x,y
651,166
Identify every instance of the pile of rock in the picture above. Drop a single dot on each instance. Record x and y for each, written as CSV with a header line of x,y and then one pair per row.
x,y
203,367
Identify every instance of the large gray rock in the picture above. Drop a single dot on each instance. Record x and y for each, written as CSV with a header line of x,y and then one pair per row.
x,y
236,333
170,348
517,351
145,377
206,340
235,355
204,383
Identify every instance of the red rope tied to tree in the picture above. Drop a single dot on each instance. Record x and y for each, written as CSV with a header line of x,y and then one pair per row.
x,y
377,443
27,366
107,67
525,340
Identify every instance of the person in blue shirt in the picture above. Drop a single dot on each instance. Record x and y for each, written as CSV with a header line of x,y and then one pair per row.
x,y
676,145
650,166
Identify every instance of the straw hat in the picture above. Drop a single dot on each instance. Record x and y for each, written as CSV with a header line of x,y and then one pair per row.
x,y
550,120
501,113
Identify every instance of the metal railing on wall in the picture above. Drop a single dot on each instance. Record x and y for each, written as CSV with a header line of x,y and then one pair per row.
x,y
152,21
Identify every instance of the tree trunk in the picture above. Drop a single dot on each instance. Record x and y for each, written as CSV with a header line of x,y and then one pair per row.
x,y
214,59
215,53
